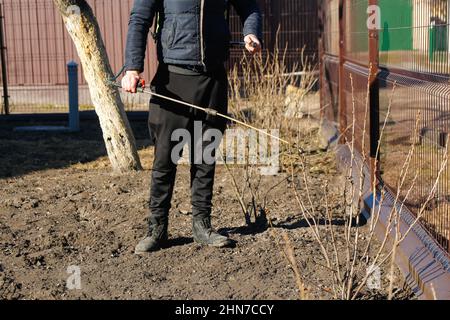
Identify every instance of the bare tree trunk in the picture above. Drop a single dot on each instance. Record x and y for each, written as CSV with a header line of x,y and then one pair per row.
x,y
83,28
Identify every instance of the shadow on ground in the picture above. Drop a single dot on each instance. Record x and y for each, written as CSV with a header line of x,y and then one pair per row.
x,y
261,225
25,152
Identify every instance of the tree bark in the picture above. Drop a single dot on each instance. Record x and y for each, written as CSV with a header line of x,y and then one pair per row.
x,y
117,134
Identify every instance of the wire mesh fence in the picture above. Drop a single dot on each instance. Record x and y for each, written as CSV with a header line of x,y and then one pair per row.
x,y
288,25
38,47
408,53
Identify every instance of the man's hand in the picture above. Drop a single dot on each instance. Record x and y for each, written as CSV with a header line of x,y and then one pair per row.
x,y
252,44
130,81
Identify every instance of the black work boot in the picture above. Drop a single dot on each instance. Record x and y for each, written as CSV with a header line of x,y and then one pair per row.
x,y
204,234
156,237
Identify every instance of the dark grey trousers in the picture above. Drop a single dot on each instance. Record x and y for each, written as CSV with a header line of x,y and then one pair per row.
x,y
205,90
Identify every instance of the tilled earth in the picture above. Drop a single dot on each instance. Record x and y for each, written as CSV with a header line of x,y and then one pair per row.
x,y
61,209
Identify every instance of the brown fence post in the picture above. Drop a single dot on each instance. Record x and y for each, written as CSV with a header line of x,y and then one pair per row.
x,y
321,56
275,17
342,107
374,96
3,64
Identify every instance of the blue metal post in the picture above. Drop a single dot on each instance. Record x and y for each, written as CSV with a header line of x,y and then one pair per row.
x,y
74,116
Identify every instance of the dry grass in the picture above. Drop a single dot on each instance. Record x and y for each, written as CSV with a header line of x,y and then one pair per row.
x,y
258,95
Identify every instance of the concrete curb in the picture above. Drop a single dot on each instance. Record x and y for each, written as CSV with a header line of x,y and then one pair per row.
x,y
423,263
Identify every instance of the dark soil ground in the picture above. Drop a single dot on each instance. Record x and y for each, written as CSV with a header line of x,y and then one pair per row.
x,y
61,206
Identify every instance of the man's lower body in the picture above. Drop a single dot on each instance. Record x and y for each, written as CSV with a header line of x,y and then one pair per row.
x,y
168,121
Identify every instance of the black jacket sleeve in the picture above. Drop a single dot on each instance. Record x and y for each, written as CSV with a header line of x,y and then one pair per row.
x,y
250,14
141,20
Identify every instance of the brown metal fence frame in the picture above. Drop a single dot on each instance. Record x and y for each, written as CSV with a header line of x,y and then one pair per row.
x,y
418,63
38,47
5,96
